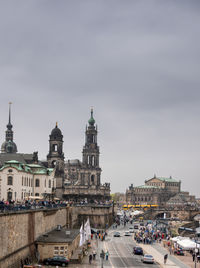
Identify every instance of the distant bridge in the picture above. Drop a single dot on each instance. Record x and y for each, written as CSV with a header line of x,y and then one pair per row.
x,y
182,214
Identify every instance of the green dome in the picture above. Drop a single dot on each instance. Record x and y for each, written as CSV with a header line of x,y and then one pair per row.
x,y
91,121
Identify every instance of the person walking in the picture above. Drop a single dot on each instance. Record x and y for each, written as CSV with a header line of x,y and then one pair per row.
x,y
90,258
193,256
94,254
165,258
107,254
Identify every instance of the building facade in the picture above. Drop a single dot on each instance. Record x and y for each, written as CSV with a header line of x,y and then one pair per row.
x,y
70,180
157,190
80,180
20,181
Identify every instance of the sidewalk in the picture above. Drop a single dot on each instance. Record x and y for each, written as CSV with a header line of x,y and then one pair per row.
x,y
158,252
95,245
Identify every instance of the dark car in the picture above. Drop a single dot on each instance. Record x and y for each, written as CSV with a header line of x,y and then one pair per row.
x,y
136,226
138,250
57,260
116,234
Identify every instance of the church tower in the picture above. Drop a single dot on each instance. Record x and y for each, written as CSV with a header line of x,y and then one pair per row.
x,y
90,154
55,156
9,146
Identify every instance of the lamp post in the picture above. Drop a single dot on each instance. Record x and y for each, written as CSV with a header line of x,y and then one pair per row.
x,y
195,250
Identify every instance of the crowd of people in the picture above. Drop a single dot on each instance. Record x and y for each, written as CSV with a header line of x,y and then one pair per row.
x,y
8,206
149,235
15,205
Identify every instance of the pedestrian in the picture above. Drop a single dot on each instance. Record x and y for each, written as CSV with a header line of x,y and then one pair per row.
x,y
193,256
165,258
90,258
94,254
107,254
102,254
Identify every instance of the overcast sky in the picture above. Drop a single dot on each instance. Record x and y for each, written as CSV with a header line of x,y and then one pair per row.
x,y
136,62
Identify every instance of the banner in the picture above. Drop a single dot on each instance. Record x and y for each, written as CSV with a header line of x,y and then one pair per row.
x,y
82,236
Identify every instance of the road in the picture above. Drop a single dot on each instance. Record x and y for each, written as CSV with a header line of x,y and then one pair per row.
x,y
120,251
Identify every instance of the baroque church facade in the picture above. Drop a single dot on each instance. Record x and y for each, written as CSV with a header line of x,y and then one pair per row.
x,y
73,180
78,180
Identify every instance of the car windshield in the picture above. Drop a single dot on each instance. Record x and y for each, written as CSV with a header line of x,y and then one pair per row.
x,y
148,256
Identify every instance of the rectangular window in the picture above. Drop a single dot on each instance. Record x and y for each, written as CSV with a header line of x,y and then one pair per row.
x,y
56,251
10,180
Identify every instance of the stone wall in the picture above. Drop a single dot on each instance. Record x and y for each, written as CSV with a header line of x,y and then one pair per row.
x,y
99,215
19,230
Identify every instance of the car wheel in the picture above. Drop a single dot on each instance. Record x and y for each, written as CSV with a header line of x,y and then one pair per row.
x,y
63,265
46,263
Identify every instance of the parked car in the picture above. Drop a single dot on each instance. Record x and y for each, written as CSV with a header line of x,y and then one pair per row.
x,y
127,233
179,252
138,250
136,226
147,258
57,260
116,234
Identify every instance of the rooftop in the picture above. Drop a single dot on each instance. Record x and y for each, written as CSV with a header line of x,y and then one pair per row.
x,y
59,236
170,179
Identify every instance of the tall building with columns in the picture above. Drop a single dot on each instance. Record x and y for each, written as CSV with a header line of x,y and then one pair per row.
x,y
83,179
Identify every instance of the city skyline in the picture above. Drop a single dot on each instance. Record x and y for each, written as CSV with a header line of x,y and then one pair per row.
x,y
138,69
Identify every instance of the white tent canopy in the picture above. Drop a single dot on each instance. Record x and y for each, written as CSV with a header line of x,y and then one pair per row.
x,y
187,244
179,238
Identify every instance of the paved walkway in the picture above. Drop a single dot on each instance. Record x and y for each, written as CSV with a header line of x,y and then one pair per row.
x,y
158,253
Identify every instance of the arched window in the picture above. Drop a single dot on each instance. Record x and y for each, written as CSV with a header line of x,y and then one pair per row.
x,y
49,183
37,183
92,179
93,160
53,163
10,180
55,147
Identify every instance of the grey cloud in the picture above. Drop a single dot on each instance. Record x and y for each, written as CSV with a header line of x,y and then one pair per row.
x,y
136,62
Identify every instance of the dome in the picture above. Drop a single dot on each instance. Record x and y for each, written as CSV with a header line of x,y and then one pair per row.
x,y
56,132
9,147
91,121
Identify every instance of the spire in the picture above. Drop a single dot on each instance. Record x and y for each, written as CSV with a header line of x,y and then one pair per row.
x,y
9,126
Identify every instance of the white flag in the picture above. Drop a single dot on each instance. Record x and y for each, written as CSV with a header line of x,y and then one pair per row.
x,y
87,230
82,236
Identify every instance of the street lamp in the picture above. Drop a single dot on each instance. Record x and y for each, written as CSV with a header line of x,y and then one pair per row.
x,y
196,250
